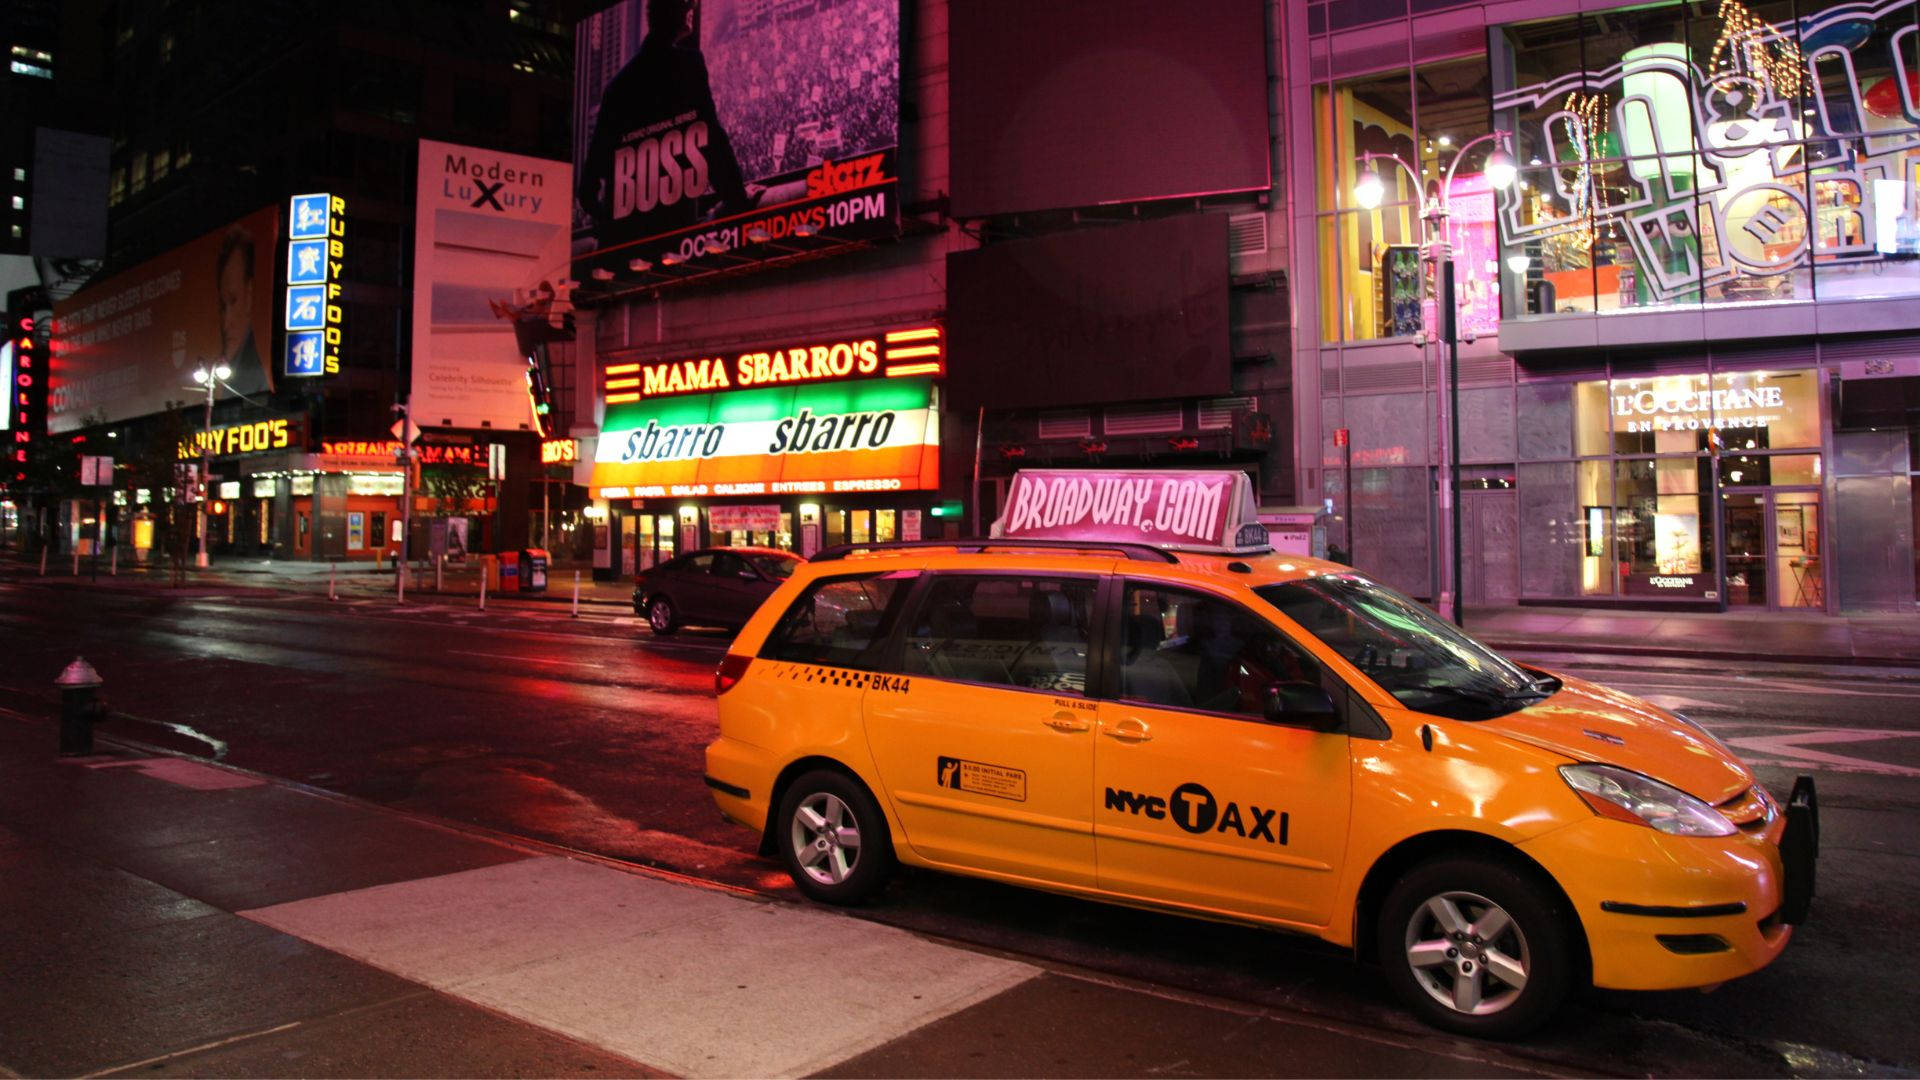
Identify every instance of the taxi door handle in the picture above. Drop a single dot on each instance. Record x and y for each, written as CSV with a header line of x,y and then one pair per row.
x,y
1067,722
1128,730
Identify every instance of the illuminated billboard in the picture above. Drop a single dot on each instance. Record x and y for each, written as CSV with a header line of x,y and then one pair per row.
x,y
720,130
486,225
864,435
127,346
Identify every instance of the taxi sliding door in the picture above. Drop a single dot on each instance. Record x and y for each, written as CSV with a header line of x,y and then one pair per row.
x,y
985,746
1198,798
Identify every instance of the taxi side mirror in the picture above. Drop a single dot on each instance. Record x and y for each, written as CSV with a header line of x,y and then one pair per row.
x,y
1301,704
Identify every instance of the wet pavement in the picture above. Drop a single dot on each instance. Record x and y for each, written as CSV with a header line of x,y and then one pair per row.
x,y
580,739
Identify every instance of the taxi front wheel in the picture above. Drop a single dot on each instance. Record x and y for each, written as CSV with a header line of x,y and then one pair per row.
x,y
1476,946
833,838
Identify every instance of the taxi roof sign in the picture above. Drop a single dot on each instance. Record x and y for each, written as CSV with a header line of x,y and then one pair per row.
x,y
1209,510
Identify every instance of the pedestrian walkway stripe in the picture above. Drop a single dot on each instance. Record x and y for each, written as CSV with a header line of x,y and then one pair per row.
x,y
690,980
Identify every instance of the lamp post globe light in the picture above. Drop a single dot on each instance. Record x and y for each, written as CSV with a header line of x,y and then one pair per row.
x,y
1369,190
209,378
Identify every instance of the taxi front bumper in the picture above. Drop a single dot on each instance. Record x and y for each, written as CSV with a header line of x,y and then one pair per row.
x,y
1670,912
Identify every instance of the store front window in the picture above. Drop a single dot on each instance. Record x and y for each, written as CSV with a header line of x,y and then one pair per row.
x,y
1634,515
1711,154
1373,281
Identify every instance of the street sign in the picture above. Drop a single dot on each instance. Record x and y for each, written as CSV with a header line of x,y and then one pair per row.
x,y
404,430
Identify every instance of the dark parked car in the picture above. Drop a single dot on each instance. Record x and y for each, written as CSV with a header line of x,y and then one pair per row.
x,y
711,587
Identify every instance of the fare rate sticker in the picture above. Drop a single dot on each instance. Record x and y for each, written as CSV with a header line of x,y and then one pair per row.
x,y
980,778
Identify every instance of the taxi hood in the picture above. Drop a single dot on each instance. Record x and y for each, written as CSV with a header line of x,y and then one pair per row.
x,y
1588,722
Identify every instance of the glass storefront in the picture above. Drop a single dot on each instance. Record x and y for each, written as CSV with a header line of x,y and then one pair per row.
x,y
1711,154
1633,514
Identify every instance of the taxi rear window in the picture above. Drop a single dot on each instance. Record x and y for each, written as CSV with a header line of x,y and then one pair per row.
x,y
840,622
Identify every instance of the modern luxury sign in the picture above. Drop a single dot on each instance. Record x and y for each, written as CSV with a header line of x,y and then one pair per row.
x,y
871,435
487,226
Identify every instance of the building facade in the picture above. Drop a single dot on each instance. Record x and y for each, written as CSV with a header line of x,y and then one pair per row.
x,y
219,151
1688,326
919,287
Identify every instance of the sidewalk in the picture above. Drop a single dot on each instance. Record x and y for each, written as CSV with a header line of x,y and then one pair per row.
x,y
171,917
1890,640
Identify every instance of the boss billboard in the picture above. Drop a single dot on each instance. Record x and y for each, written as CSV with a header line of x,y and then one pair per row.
x,y
710,126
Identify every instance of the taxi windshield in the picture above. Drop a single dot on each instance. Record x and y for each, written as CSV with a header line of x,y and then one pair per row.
x,y
1424,661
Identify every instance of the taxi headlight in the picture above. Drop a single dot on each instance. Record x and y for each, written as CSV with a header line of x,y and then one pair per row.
x,y
1628,796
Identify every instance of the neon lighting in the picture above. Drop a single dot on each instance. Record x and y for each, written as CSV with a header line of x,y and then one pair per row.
x,y
913,335
623,369
917,350
913,369
616,399
622,384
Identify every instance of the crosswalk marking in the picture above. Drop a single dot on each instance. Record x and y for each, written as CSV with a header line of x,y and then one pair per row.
x,y
691,980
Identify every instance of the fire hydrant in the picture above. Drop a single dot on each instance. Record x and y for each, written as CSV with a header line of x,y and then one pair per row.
x,y
79,704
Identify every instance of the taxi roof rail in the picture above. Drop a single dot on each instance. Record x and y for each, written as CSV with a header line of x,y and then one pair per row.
x,y
976,545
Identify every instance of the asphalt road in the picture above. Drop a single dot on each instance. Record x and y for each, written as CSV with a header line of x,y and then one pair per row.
x,y
589,733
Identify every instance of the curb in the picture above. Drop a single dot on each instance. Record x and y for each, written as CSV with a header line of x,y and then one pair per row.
x,y
1575,645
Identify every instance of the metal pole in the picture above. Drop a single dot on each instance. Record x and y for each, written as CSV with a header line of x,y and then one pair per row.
x,y
206,472
331,565
1347,482
483,587
1448,321
576,594
44,548
440,573
546,512
113,561
406,501
979,434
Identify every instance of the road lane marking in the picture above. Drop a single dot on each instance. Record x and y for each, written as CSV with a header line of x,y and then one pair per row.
x,y
528,659
1793,749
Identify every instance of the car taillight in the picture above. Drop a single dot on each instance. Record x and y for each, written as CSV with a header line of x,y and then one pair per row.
x,y
729,672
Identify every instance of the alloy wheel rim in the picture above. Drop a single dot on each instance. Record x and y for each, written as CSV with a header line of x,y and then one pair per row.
x,y
659,614
826,838
1467,953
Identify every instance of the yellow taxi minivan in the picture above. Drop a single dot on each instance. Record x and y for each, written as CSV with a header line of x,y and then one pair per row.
x,y
1125,695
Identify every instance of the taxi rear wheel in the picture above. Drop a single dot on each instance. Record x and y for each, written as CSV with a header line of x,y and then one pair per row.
x,y
1476,946
833,838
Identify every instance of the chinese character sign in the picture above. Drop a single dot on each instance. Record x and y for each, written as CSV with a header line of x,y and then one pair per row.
x,y
316,252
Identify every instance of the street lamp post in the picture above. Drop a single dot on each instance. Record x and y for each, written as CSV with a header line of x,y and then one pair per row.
x,y
1436,209
209,378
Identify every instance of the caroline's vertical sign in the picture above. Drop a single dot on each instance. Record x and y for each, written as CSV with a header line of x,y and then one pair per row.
x,y
25,377
316,252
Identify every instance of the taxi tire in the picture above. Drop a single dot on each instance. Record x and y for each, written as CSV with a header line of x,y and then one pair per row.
x,y
661,618
1538,914
874,862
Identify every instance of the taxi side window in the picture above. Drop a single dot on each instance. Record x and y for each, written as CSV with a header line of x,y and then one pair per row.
x,y
839,622
1024,632
1188,650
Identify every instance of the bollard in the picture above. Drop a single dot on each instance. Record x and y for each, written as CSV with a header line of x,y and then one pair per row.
x,y
439,573
76,562
331,595
43,562
79,704
483,590
576,594
113,561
